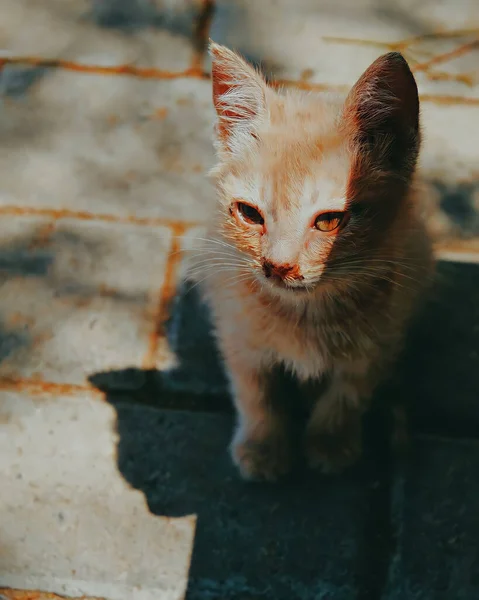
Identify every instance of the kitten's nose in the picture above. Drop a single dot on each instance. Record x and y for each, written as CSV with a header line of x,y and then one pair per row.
x,y
271,269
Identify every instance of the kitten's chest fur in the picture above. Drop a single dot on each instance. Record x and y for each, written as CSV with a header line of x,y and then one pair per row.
x,y
306,338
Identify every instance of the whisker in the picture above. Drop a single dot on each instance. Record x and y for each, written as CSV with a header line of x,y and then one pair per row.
x,y
217,261
208,275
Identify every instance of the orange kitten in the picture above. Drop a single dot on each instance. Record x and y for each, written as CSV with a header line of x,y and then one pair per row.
x,y
317,258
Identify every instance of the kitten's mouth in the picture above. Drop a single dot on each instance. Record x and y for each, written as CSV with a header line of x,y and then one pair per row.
x,y
279,284
297,289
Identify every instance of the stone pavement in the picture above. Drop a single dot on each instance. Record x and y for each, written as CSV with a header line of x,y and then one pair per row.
x,y
114,416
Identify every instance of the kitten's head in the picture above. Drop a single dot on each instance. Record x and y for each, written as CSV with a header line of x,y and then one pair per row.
x,y
310,185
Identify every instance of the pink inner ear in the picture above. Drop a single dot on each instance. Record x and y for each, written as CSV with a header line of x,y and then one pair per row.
x,y
221,86
228,113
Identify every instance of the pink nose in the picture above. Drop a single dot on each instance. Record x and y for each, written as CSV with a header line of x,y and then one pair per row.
x,y
279,271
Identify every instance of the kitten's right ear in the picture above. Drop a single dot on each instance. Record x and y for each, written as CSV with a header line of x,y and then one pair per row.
x,y
238,96
383,110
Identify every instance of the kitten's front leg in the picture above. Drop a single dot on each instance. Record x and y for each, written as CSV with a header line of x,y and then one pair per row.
x,y
261,445
333,438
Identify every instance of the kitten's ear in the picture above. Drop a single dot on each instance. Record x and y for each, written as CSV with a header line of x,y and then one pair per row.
x,y
383,110
238,95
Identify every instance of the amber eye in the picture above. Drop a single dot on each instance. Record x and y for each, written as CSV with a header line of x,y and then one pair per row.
x,y
249,213
329,221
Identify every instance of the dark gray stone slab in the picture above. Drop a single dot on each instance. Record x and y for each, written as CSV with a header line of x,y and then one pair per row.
x,y
310,538
438,523
439,378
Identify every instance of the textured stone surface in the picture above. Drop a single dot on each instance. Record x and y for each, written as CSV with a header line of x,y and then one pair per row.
x,y
76,298
440,380
109,145
333,42
437,555
105,32
70,524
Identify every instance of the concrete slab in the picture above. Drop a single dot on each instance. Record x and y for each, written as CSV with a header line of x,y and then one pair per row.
x,y
109,145
70,523
102,32
437,554
77,297
332,42
440,375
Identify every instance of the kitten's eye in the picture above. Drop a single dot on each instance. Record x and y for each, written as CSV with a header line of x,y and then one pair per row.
x,y
249,213
329,221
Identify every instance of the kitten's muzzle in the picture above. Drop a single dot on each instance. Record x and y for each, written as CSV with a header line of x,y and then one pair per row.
x,y
281,272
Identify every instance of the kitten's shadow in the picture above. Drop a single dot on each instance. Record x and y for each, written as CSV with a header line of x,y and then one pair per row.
x,y
178,458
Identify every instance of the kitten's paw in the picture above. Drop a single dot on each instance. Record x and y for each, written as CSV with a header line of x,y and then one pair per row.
x,y
332,451
264,459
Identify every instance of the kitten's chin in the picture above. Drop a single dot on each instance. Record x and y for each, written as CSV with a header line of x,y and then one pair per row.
x,y
283,290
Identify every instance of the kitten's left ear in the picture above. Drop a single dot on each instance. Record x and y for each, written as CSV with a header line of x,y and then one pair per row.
x,y
238,96
383,111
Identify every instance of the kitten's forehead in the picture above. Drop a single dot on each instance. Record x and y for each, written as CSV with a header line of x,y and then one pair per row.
x,y
292,182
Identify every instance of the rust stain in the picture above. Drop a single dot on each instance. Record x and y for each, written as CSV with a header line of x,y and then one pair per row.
x,y
464,78
18,318
152,73
425,65
39,387
443,99
165,295
458,246
306,85
355,41
121,70
160,113
131,175
443,34
42,236
37,595
446,56
64,213
306,74
447,100
403,44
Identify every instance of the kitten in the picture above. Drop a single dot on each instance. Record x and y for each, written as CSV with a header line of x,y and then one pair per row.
x,y
316,259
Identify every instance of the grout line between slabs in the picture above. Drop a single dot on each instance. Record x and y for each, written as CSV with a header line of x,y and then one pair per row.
x,y
198,73
165,295
39,387
63,213
11,594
